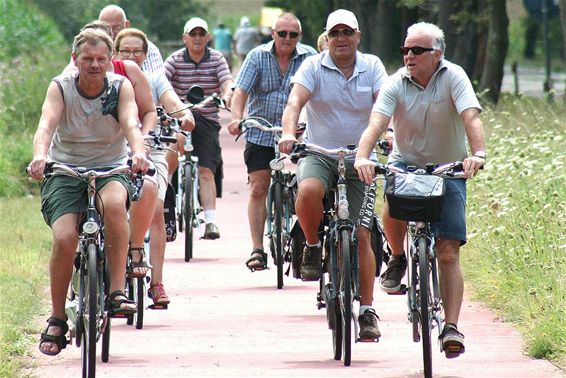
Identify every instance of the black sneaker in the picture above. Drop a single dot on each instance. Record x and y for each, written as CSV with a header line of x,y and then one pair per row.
x,y
391,278
368,325
311,268
451,341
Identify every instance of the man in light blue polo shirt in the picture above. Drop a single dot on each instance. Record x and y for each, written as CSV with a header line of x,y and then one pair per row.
x,y
264,82
434,111
338,87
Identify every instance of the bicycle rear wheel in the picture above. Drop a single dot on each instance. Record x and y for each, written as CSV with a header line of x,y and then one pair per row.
x,y
188,209
90,315
106,340
140,294
346,298
424,304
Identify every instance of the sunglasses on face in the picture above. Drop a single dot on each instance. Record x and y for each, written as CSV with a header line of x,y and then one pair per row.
x,y
338,32
284,33
127,53
196,33
416,50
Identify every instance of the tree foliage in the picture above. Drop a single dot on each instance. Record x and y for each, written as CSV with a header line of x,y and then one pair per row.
x,y
161,20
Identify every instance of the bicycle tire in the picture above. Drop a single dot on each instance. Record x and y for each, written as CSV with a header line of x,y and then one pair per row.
x,y
131,292
188,209
106,340
91,301
277,231
178,177
412,299
377,245
140,291
345,296
424,295
337,335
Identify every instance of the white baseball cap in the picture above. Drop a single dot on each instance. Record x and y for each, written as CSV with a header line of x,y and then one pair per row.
x,y
341,16
195,22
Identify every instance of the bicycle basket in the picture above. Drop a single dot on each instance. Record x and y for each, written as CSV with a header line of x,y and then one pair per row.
x,y
414,197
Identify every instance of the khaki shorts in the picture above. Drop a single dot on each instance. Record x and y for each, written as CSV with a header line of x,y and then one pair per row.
x,y
161,172
62,195
326,171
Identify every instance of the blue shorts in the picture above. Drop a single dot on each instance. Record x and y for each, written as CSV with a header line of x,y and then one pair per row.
x,y
452,224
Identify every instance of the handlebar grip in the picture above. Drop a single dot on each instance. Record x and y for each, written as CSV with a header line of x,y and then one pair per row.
x,y
168,139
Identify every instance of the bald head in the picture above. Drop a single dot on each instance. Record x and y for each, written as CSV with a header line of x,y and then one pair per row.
x,y
115,17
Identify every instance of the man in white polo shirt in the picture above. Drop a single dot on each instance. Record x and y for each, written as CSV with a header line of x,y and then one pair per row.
x,y
339,87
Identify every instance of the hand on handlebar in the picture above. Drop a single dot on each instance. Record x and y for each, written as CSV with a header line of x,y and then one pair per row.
x,y
234,127
140,163
366,169
472,165
36,167
187,121
286,143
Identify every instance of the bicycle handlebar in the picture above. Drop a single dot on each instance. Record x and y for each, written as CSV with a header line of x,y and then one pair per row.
x,y
452,170
52,168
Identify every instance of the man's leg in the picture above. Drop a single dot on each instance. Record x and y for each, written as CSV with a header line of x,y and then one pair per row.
x,y
207,195
112,205
451,278
395,231
158,243
257,212
368,318
65,241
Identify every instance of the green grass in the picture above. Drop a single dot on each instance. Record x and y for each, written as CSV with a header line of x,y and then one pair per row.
x,y
516,257
24,253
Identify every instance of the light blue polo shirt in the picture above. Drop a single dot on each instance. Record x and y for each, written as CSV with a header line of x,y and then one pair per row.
x,y
339,109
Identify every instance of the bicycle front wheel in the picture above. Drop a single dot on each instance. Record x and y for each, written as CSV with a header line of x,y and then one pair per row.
x,y
276,231
90,315
188,208
424,304
346,298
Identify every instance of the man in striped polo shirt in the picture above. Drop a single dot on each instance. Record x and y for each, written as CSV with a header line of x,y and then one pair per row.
x,y
197,64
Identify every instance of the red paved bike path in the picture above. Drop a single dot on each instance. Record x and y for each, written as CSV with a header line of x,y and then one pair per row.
x,y
226,321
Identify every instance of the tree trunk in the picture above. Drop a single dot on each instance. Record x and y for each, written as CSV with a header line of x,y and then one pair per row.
x,y
497,44
385,39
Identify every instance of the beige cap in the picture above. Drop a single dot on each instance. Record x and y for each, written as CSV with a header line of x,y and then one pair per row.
x,y
195,22
341,16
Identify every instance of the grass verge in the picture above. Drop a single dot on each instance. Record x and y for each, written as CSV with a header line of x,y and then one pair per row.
x,y
24,252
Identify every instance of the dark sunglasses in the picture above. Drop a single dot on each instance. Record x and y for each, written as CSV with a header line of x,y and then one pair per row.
x,y
194,33
283,34
338,32
416,50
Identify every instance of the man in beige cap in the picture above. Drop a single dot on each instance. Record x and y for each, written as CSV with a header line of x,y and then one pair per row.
x,y
197,64
338,88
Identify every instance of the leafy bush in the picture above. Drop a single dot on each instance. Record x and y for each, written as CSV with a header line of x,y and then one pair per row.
x,y
35,52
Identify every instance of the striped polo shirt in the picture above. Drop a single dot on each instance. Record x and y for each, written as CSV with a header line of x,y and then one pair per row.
x,y
210,73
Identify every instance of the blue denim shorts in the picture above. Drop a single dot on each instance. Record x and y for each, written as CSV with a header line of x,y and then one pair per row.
x,y
452,224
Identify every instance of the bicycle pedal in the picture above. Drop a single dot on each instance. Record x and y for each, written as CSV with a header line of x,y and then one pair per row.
x,y
158,306
118,316
376,340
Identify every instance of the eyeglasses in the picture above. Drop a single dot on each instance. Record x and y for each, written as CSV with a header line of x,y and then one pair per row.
x,y
127,53
338,32
283,34
196,33
416,50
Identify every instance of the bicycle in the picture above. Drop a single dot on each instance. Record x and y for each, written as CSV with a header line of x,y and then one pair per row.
x,y
280,200
187,204
420,209
90,284
338,292
136,286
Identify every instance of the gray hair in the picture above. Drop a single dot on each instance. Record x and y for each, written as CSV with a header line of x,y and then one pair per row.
x,y
92,37
288,16
112,9
432,30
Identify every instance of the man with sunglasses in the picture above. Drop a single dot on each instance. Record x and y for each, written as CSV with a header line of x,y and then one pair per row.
x,y
434,110
263,81
197,64
338,88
